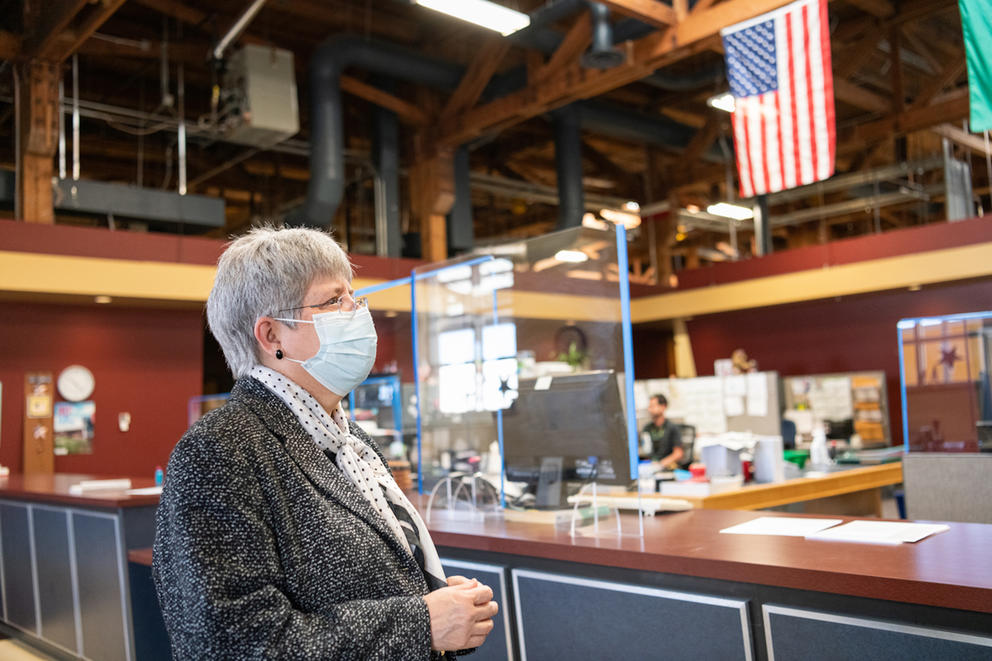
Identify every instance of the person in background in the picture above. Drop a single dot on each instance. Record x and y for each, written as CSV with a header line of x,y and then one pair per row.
x,y
666,439
281,533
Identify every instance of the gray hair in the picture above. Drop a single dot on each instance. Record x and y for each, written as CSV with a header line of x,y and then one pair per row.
x,y
265,271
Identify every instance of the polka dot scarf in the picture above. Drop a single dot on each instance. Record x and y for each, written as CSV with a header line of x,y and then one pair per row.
x,y
360,464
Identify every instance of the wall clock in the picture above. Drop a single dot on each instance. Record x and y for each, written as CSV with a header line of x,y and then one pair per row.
x,y
76,383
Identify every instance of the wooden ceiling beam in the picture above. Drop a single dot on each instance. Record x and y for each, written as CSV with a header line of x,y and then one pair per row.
x,y
859,97
187,53
961,137
10,45
91,21
951,71
477,76
703,5
702,139
953,108
51,24
576,40
652,12
880,8
176,10
407,112
852,57
629,183
923,49
574,82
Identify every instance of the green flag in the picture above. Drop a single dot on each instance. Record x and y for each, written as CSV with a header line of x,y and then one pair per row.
x,y
976,24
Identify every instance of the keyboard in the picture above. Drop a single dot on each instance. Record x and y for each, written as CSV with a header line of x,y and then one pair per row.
x,y
650,505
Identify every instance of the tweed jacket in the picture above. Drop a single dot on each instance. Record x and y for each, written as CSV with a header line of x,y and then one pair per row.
x,y
264,549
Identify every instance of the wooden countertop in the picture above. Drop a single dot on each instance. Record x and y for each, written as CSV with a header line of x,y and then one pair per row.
x,y
950,569
800,489
55,489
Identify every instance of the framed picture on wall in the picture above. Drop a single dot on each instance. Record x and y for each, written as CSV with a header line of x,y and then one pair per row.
x,y
73,426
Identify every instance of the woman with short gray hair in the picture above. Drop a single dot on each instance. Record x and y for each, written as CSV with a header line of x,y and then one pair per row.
x,y
281,532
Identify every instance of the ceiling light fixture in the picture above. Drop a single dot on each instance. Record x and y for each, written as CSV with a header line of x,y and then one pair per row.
x,y
481,12
102,299
625,218
724,102
734,211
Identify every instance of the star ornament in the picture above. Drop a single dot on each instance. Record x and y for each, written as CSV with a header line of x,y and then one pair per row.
x,y
949,356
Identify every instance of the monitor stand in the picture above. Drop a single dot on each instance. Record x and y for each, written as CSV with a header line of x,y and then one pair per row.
x,y
550,486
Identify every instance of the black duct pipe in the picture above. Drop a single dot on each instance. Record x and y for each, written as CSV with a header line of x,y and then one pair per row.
x,y
326,134
334,55
601,53
630,125
568,165
386,159
686,82
461,233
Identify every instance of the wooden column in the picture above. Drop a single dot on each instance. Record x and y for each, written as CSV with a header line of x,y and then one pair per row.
x,y
432,194
39,125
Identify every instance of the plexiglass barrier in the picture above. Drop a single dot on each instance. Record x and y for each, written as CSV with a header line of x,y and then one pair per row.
x,y
946,394
523,368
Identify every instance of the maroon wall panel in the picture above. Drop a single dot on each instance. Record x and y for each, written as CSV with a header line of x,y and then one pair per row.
x,y
838,335
146,362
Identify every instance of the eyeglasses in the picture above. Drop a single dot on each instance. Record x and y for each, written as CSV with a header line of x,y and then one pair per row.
x,y
335,304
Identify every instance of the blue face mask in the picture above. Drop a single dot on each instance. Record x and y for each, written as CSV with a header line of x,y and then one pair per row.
x,y
347,349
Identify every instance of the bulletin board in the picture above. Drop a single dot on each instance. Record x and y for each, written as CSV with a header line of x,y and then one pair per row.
x,y
718,404
857,396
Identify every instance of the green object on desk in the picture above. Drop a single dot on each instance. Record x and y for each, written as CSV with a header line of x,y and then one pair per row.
x,y
798,457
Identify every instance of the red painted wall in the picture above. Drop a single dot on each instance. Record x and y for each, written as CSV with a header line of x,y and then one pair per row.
x,y
147,362
838,335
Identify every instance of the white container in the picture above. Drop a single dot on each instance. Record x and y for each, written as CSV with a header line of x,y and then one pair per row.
x,y
721,461
769,460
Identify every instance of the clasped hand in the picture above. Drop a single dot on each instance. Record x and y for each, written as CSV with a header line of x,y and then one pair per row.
x,y
461,614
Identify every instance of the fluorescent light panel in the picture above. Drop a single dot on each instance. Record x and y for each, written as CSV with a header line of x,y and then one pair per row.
x,y
723,102
481,12
734,211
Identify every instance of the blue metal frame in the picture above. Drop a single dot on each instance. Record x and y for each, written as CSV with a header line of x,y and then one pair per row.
x,y
628,346
414,277
499,423
965,316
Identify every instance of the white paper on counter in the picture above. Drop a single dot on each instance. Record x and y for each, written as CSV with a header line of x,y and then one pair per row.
x,y
879,532
146,491
781,525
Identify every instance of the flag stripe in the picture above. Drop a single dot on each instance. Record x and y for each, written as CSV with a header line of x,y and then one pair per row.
x,y
774,147
820,135
766,148
828,85
740,147
757,146
802,92
791,136
810,92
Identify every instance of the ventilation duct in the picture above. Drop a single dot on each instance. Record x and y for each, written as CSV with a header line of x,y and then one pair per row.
x,y
601,54
568,165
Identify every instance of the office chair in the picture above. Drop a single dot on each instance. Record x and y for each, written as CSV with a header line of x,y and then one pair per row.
x,y
788,434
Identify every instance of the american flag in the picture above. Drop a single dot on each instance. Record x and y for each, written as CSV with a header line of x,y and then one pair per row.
x,y
778,65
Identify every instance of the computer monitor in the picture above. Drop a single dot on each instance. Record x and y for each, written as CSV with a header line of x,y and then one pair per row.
x,y
566,428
